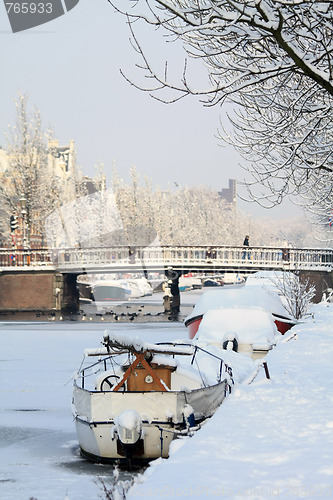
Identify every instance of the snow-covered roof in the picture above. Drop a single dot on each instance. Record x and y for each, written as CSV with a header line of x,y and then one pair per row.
x,y
247,325
254,296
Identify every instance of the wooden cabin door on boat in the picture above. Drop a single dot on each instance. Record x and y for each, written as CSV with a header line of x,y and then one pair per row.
x,y
140,380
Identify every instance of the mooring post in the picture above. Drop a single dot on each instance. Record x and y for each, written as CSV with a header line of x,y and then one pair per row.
x,y
266,370
173,277
175,297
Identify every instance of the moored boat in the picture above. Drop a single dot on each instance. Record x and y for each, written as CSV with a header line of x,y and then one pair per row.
x,y
189,282
110,290
105,289
247,297
233,279
251,332
137,397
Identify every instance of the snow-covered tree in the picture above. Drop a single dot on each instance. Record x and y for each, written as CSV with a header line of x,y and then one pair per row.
x,y
30,186
35,179
86,221
24,175
198,216
272,61
296,294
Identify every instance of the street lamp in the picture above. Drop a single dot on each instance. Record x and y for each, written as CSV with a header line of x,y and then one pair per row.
x,y
23,203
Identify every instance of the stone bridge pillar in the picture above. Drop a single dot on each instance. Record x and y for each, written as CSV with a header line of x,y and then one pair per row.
x,y
37,290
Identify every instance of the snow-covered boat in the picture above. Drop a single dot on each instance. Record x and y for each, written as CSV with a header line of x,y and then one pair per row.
x,y
106,289
185,284
189,282
233,279
272,282
212,282
139,287
249,297
137,397
251,332
110,290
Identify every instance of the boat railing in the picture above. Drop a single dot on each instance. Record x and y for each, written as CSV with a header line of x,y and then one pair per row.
x,y
107,362
224,367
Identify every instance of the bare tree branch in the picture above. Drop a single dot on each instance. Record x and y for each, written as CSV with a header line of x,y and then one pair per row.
x,y
272,61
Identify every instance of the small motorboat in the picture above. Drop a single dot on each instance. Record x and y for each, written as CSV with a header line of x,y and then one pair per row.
x,y
233,279
211,282
110,291
249,297
189,282
106,289
132,402
250,331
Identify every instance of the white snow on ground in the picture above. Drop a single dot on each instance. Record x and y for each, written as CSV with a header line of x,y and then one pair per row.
x,y
270,439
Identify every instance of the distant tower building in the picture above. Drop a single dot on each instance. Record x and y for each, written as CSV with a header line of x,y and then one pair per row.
x,y
230,194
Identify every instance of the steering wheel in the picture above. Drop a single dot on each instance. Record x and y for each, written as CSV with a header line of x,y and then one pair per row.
x,y
108,383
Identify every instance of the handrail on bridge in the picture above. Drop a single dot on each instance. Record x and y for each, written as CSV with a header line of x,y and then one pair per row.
x,y
222,257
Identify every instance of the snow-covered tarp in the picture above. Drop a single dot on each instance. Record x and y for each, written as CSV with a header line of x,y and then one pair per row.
x,y
254,296
248,325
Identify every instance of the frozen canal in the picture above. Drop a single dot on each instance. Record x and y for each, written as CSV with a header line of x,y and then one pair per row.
x,y
39,456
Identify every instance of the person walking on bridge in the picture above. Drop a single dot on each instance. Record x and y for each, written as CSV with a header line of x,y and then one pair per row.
x,y
246,243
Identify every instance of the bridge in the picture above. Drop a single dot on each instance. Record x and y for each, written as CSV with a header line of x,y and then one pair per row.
x,y
57,269
157,259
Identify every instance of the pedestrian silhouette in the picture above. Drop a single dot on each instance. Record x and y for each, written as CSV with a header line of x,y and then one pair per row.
x,y
246,243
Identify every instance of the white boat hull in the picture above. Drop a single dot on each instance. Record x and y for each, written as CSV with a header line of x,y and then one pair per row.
x,y
162,415
97,444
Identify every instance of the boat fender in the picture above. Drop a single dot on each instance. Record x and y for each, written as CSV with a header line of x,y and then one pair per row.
x,y
128,426
230,342
188,413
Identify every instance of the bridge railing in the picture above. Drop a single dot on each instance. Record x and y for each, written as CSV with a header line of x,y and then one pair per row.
x,y
40,257
201,256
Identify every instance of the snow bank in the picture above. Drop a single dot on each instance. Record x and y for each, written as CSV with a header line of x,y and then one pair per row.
x,y
270,439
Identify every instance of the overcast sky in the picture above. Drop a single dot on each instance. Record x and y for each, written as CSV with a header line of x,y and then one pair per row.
x,y
69,67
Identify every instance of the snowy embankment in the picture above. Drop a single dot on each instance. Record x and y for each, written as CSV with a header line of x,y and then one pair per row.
x,y
273,438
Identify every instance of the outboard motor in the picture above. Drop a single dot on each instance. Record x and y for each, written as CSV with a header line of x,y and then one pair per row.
x,y
189,418
129,427
129,431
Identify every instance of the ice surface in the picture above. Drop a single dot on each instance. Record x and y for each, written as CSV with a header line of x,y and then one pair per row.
x,y
39,454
